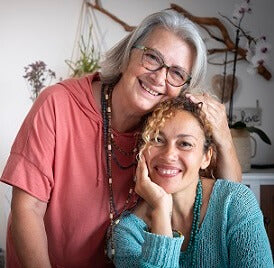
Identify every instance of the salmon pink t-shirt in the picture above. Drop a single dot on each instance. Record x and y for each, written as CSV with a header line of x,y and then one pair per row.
x,y
58,157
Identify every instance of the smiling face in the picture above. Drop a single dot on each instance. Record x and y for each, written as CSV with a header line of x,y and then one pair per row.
x,y
176,156
143,89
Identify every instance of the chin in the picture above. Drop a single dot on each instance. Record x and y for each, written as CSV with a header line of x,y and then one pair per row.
x,y
167,186
144,105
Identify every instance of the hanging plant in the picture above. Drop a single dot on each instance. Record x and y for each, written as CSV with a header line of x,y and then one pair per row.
x,y
88,61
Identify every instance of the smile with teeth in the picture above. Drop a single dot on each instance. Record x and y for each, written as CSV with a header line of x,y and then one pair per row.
x,y
152,92
165,171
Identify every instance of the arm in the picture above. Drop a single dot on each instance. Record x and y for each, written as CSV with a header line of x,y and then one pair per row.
x,y
28,230
248,244
160,203
227,162
135,246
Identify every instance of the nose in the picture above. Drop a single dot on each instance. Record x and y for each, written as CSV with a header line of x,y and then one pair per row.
x,y
159,77
170,153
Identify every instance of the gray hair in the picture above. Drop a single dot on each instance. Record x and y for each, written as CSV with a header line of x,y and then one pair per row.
x,y
117,57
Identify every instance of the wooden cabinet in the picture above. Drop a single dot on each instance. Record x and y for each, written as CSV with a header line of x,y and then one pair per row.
x,y
267,202
261,182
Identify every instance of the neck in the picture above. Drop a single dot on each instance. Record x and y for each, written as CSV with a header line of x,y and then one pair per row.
x,y
124,119
183,202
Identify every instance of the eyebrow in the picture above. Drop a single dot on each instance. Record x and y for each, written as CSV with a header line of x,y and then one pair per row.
x,y
186,135
179,136
164,60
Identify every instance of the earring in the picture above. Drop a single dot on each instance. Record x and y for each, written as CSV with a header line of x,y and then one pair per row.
x,y
138,157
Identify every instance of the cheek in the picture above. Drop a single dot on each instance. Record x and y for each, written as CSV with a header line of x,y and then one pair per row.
x,y
172,92
151,157
133,68
194,160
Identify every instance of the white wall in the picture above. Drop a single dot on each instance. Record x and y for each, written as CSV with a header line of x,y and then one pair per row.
x,y
45,30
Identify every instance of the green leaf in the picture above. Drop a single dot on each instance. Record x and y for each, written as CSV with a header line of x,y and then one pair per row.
x,y
239,125
261,134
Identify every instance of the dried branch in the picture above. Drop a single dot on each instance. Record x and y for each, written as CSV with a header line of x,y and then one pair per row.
x,y
212,35
203,22
247,36
211,21
223,63
97,6
217,50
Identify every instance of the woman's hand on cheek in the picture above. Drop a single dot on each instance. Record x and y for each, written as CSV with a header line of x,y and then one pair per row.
x,y
155,196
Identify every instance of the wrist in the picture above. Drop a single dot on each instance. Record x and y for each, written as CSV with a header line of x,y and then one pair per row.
x,y
225,144
161,213
161,222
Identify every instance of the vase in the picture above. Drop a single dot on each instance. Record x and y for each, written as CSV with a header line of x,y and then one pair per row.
x,y
242,142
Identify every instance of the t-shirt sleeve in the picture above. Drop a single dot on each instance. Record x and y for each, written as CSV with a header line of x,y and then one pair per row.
x,y
248,243
30,164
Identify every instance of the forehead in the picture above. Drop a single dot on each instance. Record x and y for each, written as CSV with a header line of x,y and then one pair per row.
x,y
183,122
174,49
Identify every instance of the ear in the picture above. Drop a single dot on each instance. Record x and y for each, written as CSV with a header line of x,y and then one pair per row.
x,y
206,158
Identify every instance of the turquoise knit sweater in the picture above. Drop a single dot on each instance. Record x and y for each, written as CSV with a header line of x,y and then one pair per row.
x,y
232,234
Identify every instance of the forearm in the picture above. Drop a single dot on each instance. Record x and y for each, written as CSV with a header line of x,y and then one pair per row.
x,y
30,240
227,162
228,166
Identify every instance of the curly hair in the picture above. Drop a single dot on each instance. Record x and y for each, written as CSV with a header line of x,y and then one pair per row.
x,y
166,110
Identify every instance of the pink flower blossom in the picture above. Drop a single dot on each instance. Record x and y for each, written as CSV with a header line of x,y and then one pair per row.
x,y
262,46
241,9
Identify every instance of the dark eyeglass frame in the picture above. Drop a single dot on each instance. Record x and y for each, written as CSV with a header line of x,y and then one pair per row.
x,y
144,48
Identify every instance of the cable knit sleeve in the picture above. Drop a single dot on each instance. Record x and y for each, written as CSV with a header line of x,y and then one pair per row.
x,y
135,247
248,244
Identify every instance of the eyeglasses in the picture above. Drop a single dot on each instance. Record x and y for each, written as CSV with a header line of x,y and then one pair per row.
x,y
153,61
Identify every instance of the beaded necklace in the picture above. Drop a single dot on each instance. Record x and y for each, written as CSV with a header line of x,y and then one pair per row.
x,y
192,245
108,142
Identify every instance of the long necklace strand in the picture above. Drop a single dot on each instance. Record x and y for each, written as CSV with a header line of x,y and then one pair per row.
x,y
106,114
192,245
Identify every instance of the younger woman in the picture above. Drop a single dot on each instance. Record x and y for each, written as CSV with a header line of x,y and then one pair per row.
x,y
184,218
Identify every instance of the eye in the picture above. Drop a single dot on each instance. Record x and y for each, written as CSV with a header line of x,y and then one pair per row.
x,y
184,145
177,74
158,140
152,58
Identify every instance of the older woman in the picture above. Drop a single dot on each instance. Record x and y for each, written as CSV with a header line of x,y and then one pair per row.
x,y
72,163
184,219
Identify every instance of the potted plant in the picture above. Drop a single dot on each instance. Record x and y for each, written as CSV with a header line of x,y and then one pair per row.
x,y
241,125
256,50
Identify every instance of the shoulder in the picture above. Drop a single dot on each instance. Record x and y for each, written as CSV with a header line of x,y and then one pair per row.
x,y
51,96
71,86
72,92
233,190
236,199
